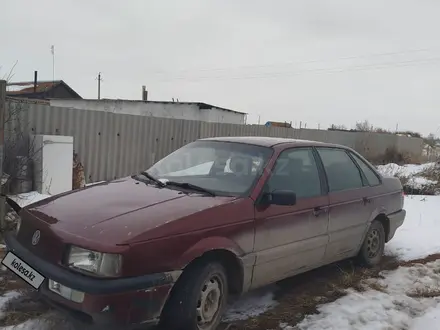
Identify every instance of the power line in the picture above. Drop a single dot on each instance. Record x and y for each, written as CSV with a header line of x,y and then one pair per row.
x,y
375,66
164,72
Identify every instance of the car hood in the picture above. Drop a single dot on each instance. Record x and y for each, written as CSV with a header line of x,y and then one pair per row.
x,y
121,211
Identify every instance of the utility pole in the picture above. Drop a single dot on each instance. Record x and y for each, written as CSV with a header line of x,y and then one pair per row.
x,y
99,85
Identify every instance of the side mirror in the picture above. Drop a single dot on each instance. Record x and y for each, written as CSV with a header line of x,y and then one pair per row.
x,y
281,197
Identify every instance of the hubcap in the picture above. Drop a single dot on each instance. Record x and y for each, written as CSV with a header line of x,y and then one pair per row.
x,y
373,243
209,302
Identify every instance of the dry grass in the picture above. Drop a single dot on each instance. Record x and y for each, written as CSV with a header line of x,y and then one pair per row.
x,y
301,295
424,293
22,308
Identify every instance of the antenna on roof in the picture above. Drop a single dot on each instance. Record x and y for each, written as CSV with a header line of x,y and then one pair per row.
x,y
99,85
52,50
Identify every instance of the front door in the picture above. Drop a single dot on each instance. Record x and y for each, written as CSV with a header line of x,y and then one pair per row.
x,y
349,211
291,239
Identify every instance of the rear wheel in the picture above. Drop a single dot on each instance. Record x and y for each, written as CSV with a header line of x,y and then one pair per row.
x,y
198,300
373,246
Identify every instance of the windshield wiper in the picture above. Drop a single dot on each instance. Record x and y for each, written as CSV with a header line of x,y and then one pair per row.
x,y
190,186
152,178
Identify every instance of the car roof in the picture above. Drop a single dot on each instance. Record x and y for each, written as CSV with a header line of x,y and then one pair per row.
x,y
266,141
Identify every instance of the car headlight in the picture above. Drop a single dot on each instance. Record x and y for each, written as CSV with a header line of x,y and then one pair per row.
x,y
101,264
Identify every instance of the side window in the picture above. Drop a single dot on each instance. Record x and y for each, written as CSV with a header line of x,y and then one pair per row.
x,y
296,170
372,178
342,173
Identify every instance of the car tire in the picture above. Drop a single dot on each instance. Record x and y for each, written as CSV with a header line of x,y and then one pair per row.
x,y
373,246
198,300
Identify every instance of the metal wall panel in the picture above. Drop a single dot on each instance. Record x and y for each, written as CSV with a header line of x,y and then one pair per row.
x,y
114,145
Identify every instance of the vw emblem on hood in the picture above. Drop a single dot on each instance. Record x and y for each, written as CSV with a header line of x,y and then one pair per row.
x,y
36,237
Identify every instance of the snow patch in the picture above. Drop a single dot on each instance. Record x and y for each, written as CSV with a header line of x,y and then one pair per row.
x,y
251,304
18,88
5,299
394,307
429,321
411,172
404,170
418,237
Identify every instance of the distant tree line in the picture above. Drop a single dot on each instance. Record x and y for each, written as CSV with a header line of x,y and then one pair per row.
x,y
365,126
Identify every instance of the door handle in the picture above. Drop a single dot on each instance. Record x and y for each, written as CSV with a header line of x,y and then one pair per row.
x,y
318,210
366,200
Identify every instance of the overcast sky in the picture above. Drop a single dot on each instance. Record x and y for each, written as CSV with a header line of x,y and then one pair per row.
x,y
319,62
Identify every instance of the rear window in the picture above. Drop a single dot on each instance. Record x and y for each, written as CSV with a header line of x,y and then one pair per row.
x,y
342,173
372,178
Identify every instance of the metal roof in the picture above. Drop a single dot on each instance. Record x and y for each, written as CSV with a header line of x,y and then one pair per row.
x,y
201,105
27,87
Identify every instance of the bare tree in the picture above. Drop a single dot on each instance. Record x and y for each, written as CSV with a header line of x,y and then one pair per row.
x,y
19,151
364,126
8,76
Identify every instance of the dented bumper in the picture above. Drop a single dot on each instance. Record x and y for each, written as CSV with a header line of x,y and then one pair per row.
x,y
111,302
396,220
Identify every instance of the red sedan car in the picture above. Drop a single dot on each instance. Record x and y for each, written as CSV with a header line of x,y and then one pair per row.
x,y
212,220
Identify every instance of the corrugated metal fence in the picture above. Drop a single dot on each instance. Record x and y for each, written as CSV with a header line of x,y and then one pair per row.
x,y
115,145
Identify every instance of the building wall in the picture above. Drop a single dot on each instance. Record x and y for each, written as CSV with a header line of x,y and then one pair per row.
x,y
112,145
188,111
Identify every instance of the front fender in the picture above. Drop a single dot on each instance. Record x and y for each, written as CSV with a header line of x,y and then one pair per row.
x,y
206,245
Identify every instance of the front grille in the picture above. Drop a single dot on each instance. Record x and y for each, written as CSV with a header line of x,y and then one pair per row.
x,y
49,247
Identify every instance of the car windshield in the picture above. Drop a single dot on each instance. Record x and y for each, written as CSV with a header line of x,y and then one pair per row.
x,y
225,168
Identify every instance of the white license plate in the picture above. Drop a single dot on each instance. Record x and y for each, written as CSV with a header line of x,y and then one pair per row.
x,y
23,270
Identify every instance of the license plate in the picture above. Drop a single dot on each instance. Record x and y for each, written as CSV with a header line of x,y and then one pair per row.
x,y
23,270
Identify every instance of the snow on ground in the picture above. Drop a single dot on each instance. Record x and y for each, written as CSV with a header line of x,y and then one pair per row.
x,y
252,304
410,171
4,300
399,304
51,321
28,198
404,170
395,306
419,236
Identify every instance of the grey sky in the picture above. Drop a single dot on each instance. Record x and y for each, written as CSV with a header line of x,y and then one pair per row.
x,y
319,62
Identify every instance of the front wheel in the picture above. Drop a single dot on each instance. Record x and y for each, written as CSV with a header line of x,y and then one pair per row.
x,y
198,300
373,246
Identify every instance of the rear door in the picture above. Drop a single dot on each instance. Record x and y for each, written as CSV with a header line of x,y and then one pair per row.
x,y
291,239
349,209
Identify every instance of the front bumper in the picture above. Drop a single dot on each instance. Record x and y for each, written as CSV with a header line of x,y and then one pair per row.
x,y
396,220
109,302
